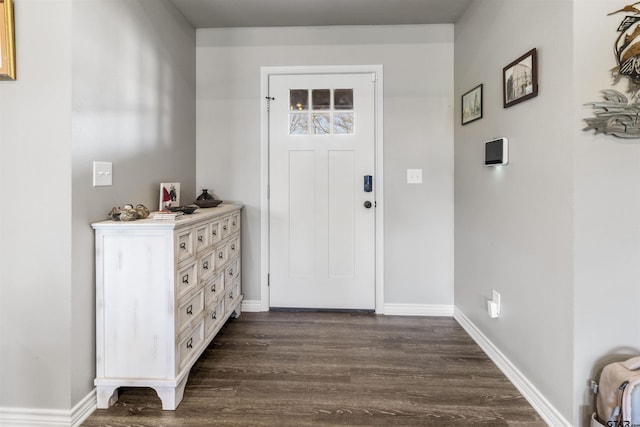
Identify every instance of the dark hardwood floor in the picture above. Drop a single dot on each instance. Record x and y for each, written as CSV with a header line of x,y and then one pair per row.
x,y
334,369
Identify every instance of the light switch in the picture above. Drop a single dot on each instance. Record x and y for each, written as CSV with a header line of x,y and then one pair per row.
x,y
102,174
414,176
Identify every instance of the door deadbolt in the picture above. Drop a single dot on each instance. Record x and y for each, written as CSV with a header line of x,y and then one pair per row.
x,y
367,204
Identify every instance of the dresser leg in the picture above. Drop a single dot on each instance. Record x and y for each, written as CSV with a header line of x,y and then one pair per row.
x,y
236,312
170,396
106,396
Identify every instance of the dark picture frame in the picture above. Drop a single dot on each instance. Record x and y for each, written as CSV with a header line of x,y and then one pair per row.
x,y
520,79
471,105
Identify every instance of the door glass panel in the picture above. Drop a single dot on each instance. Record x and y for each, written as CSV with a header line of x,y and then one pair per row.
x,y
343,99
343,123
321,99
298,124
298,99
321,123
305,106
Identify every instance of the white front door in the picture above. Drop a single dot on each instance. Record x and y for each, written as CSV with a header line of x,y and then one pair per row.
x,y
322,221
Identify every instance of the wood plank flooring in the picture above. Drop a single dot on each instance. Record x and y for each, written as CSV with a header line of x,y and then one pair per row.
x,y
334,369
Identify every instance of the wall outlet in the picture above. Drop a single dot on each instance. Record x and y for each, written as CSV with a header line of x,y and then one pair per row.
x,y
493,305
495,297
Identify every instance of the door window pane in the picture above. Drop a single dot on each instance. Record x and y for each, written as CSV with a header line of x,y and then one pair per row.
x,y
343,99
298,124
298,100
321,99
343,123
321,123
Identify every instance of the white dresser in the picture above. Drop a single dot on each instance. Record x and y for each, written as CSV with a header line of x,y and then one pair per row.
x,y
164,289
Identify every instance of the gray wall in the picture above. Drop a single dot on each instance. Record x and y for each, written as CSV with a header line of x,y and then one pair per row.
x,y
119,86
418,103
606,212
513,225
35,242
133,105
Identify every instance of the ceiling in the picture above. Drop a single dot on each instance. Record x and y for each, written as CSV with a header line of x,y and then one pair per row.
x,y
287,13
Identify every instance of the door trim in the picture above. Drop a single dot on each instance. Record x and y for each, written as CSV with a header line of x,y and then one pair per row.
x,y
376,72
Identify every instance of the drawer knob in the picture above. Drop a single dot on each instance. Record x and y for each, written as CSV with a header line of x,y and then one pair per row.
x,y
220,255
190,310
224,227
231,272
230,295
214,232
213,287
205,265
200,239
233,247
183,245
185,279
213,315
190,343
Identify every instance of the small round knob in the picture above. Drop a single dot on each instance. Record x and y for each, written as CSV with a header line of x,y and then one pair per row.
x,y
367,204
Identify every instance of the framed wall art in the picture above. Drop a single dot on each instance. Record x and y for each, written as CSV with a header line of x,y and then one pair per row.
x,y
472,105
520,79
7,41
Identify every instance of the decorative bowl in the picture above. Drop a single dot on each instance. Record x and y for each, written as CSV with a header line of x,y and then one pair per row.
x,y
185,209
208,203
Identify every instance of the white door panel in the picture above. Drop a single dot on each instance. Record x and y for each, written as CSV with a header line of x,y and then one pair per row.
x,y
321,136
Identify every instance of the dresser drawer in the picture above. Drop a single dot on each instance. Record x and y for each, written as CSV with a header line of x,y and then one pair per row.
x,y
186,279
234,247
215,315
222,255
232,272
226,226
206,266
190,345
202,234
184,245
233,295
190,310
235,222
213,290
215,232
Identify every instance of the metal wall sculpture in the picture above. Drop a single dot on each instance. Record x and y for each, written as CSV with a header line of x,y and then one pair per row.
x,y
619,113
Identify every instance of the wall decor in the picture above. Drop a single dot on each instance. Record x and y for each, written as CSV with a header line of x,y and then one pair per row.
x,y
619,114
169,195
520,79
472,105
7,41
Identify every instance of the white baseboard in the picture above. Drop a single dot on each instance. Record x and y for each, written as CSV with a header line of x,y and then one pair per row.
x,y
252,306
418,310
24,417
537,400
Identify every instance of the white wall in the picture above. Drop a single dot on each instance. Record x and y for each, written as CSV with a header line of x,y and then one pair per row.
x,y
110,80
418,78
513,225
606,212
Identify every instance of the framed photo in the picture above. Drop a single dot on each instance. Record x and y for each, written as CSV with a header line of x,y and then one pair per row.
x,y
169,195
520,79
472,105
7,41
